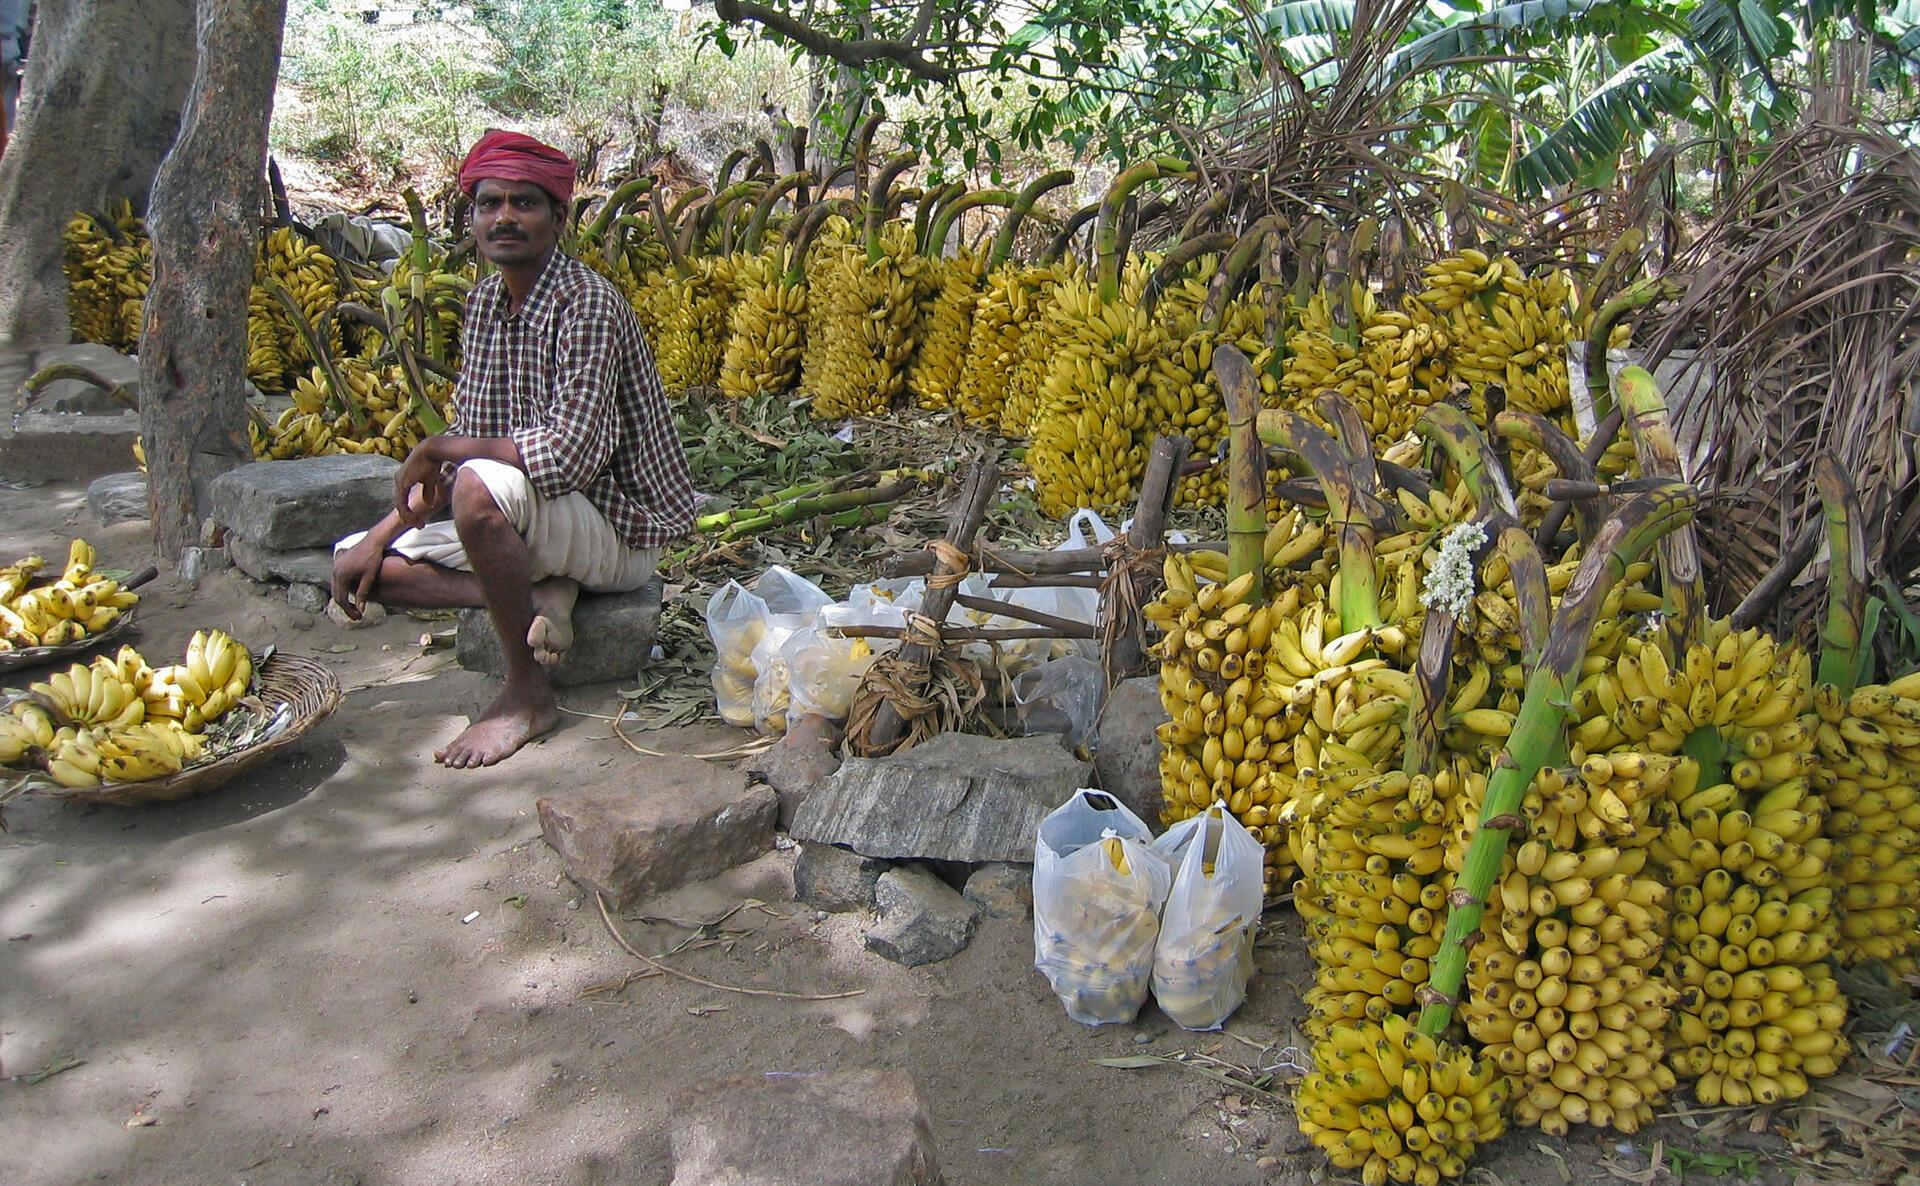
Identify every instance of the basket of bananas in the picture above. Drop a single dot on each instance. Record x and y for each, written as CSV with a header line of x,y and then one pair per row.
x,y
119,730
44,621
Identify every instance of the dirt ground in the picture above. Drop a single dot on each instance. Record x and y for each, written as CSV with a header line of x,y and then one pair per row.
x,y
274,983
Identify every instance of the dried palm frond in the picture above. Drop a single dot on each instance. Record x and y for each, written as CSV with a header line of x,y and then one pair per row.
x,y
1803,298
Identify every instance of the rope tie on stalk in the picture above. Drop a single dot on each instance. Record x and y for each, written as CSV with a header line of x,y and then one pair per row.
x,y
946,694
1130,571
951,565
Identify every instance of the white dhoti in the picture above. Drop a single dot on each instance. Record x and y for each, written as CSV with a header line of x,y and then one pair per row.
x,y
566,536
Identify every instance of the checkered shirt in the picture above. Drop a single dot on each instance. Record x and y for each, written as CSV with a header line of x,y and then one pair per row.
x,y
571,379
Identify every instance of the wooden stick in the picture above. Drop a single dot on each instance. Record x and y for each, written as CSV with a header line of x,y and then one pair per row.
x,y
1157,488
972,633
983,478
1007,609
988,558
1016,580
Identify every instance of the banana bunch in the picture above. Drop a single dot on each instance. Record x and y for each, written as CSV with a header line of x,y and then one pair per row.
x,y
766,328
442,292
313,427
1389,363
1371,891
865,330
153,749
1005,359
1869,778
215,674
307,272
78,603
1186,396
693,324
1398,1105
1759,1011
945,330
109,265
1090,425
266,360
1506,328
24,728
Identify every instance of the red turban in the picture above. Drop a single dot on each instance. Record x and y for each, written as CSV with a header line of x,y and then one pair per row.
x,y
510,156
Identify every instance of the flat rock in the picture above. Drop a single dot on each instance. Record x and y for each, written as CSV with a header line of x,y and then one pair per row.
x,y
118,498
311,598
613,637
78,395
834,1128
801,760
1001,890
957,797
196,562
1127,763
627,845
922,919
827,877
312,566
309,502
57,446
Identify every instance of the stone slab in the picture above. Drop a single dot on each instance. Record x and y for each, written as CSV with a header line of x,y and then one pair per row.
x,y
1127,762
835,1128
118,498
78,395
56,447
801,760
309,502
628,845
835,879
1001,890
613,637
309,598
923,920
312,566
956,797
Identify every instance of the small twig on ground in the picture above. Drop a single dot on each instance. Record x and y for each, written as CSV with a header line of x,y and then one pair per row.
x,y
600,900
758,745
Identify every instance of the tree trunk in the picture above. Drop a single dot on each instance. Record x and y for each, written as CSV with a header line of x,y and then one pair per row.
x,y
205,221
99,107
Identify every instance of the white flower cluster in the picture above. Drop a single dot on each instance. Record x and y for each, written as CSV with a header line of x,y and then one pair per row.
x,y
1449,584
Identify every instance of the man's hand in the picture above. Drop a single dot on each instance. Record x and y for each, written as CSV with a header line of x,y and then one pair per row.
x,y
354,573
418,490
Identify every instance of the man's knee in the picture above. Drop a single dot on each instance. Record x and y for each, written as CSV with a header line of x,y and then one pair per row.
x,y
472,503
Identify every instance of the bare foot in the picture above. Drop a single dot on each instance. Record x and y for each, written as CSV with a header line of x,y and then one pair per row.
x,y
511,721
551,634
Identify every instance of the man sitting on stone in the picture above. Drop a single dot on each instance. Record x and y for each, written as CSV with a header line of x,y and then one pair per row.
x,y
562,469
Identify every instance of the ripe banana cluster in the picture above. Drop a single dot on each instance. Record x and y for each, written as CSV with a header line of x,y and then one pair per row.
x,y
945,330
1090,425
1186,397
1399,1106
1390,363
315,427
1739,683
308,273
108,261
1869,744
78,603
1506,328
766,328
693,325
119,720
865,329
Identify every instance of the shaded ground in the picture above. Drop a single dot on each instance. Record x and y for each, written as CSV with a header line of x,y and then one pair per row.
x,y
273,983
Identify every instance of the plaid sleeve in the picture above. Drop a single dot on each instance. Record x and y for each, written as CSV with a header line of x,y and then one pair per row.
x,y
572,446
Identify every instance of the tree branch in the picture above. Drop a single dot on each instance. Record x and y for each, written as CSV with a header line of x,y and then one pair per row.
x,y
855,53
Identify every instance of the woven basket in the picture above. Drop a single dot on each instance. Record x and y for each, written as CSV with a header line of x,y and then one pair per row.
x,y
304,685
34,656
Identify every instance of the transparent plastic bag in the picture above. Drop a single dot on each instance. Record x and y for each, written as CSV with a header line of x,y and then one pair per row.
x,y
823,669
1098,886
1062,696
740,621
1204,956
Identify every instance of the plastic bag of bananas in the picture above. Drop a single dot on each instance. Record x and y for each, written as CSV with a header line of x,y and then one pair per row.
x,y
1098,886
738,620
823,667
1204,957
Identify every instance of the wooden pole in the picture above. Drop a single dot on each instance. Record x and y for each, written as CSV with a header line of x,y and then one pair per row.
x,y
1157,487
983,478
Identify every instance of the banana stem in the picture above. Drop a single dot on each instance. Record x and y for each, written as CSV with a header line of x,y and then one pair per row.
x,y
1561,449
1681,584
338,393
863,154
801,241
1539,735
1530,594
1205,213
1347,508
681,205
1639,295
1063,241
1456,434
943,223
1183,254
1107,235
1843,637
1432,676
664,220
1235,267
877,198
728,164
1246,472
1273,295
763,209
1021,209
610,210
928,206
